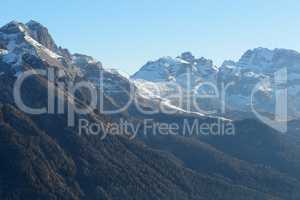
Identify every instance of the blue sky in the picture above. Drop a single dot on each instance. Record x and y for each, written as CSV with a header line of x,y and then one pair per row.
x,y
127,34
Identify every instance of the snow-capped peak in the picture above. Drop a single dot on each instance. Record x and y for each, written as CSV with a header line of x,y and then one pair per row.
x,y
169,69
16,39
265,60
259,57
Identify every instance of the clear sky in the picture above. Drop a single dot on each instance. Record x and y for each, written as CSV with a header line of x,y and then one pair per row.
x,y
127,33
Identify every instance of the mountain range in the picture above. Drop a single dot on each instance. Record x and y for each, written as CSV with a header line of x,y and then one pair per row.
x,y
44,158
252,76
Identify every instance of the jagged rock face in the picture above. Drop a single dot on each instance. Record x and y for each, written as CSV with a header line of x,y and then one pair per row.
x,y
65,53
84,60
41,34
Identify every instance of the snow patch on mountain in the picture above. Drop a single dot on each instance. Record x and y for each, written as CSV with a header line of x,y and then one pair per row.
x,y
40,47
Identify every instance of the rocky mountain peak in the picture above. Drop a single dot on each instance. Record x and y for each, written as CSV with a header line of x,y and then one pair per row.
x,y
228,63
187,56
269,60
18,39
14,27
41,35
82,60
260,57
